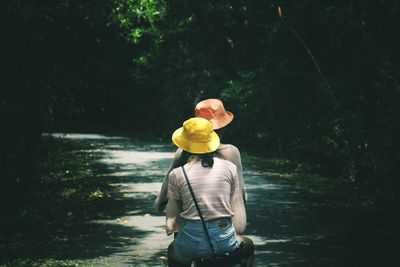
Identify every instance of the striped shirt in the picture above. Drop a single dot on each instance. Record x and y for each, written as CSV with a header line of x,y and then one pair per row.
x,y
215,189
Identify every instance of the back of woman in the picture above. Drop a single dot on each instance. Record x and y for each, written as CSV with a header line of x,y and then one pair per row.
x,y
207,229
214,188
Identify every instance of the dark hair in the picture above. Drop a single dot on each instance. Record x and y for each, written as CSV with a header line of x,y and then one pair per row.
x,y
184,158
207,160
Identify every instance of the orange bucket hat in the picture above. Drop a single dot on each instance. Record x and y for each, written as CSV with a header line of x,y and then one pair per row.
x,y
196,136
213,110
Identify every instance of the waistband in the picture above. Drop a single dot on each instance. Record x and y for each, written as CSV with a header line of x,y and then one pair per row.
x,y
216,222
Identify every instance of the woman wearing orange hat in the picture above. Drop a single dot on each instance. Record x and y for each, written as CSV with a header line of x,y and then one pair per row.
x,y
203,192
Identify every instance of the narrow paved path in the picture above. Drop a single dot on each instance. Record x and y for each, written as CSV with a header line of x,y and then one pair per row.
x,y
287,229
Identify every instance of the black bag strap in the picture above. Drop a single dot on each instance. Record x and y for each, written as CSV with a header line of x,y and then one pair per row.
x,y
198,210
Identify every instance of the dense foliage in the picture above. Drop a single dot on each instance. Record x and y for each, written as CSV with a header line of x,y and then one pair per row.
x,y
318,83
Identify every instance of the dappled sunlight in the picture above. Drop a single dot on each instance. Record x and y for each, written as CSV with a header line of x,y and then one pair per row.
x,y
155,241
79,136
251,172
138,190
261,240
281,223
134,157
138,187
118,174
129,171
264,186
136,170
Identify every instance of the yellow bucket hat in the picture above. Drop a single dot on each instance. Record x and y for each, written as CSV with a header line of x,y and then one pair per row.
x,y
196,136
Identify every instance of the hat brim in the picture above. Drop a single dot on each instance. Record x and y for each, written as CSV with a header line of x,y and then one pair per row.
x,y
221,122
195,147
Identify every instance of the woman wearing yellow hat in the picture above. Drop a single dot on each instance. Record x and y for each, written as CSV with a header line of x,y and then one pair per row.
x,y
213,110
201,191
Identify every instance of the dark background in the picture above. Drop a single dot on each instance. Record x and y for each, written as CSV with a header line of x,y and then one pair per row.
x,y
318,85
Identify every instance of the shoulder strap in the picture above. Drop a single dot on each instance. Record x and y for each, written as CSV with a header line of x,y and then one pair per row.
x,y
198,210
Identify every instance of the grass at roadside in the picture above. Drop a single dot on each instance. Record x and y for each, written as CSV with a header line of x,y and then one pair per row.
x,y
335,192
44,263
57,213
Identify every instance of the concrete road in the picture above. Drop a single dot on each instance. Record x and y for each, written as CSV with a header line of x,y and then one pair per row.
x,y
287,229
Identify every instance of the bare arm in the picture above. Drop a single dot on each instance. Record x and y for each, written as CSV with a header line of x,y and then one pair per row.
x,y
161,200
237,204
240,177
232,153
174,207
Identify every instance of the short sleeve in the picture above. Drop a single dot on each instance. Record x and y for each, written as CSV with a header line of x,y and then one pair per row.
x,y
173,192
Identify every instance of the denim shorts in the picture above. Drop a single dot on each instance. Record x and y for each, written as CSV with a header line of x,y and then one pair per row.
x,y
191,241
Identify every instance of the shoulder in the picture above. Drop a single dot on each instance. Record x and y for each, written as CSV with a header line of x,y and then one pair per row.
x,y
174,173
226,164
230,152
228,149
178,154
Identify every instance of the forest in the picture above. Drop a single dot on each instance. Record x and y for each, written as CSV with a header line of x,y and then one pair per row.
x,y
314,82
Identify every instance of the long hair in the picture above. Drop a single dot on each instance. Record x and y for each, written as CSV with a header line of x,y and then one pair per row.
x,y
207,160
